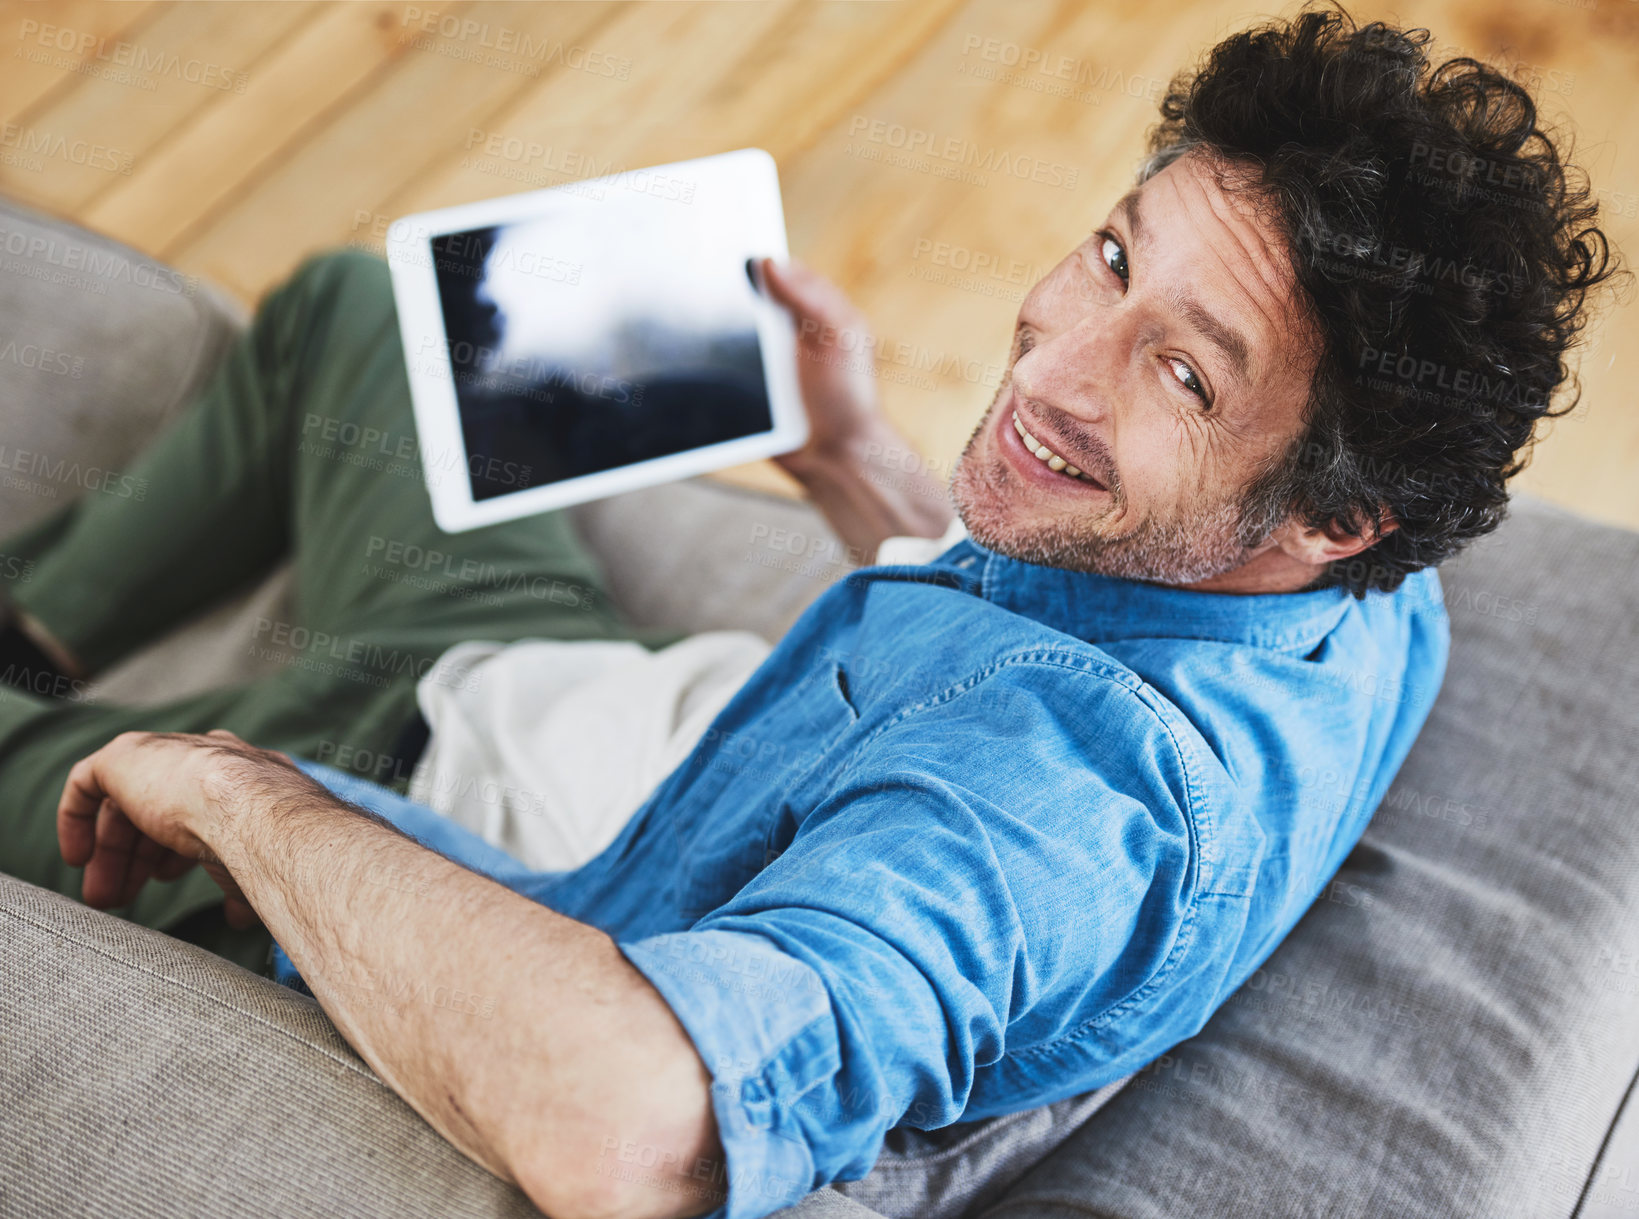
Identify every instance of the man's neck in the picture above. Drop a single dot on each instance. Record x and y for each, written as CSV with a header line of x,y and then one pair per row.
x,y
1272,571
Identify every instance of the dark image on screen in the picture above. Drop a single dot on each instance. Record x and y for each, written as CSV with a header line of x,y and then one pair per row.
x,y
573,352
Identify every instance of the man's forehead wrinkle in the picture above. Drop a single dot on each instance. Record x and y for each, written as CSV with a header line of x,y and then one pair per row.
x,y
1267,256
1246,236
1261,265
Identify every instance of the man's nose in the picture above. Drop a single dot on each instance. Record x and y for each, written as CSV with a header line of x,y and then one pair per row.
x,y
1074,370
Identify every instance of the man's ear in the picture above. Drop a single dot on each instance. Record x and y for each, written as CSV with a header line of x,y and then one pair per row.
x,y
1321,547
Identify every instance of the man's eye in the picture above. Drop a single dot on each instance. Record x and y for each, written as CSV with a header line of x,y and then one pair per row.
x,y
1114,256
1187,378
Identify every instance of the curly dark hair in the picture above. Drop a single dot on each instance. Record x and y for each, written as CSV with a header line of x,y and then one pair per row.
x,y
1443,249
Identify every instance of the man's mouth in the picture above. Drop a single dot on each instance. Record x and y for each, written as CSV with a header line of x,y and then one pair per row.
x,y
1048,458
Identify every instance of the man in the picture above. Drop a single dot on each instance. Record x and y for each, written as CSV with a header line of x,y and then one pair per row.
x,y
1038,804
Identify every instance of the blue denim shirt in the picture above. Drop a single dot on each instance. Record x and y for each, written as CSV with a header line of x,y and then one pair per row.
x,y
981,834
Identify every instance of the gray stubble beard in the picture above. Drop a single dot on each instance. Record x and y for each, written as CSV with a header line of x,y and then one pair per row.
x,y
1201,543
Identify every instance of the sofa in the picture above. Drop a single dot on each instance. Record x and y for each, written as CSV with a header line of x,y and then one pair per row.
x,y
1451,1030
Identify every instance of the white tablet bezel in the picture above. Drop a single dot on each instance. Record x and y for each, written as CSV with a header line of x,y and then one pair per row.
x,y
743,183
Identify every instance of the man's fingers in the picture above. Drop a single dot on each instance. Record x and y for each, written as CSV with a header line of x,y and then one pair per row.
x,y
107,871
145,857
172,866
800,289
127,811
807,293
77,812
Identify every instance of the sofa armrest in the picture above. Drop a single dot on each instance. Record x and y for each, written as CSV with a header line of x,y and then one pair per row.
x,y
147,1078
103,345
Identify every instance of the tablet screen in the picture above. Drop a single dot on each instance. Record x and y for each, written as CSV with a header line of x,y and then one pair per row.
x,y
579,345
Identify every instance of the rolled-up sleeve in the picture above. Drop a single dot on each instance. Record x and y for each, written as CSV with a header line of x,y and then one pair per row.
x,y
763,1024
917,928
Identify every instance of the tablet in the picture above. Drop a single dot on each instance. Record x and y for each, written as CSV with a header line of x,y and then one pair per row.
x,y
588,339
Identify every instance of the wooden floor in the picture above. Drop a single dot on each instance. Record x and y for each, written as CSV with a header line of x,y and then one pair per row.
x,y
234,138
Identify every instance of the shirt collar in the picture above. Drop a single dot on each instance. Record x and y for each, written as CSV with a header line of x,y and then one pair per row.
x,y
1096,607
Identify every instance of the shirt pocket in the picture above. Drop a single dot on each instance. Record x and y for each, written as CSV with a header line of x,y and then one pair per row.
x,y
842,687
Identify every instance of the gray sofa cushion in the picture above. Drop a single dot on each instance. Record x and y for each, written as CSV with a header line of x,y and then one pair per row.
x,y
703,555
1451,1029
957,1171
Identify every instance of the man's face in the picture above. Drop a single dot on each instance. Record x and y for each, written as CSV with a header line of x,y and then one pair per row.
x,y
1165,360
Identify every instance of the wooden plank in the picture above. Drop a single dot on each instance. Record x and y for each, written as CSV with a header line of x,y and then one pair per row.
x,y
861,218
814,68
291,89
189,57
777,84
585,127
50,43
425,100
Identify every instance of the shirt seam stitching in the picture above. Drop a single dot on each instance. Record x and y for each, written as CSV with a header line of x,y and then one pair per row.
x,y
1048,656
1186,934
1094,667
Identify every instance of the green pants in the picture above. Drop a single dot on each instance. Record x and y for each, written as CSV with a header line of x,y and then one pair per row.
x,y
302,447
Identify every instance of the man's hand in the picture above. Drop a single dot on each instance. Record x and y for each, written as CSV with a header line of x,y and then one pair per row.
x,y
862,474
835,362
524,1037
147,806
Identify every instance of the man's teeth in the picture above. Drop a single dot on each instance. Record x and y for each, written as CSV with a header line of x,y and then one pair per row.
x,y
1046,455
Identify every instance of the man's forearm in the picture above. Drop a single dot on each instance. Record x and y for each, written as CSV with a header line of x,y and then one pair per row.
x,y
522,1036
873,488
